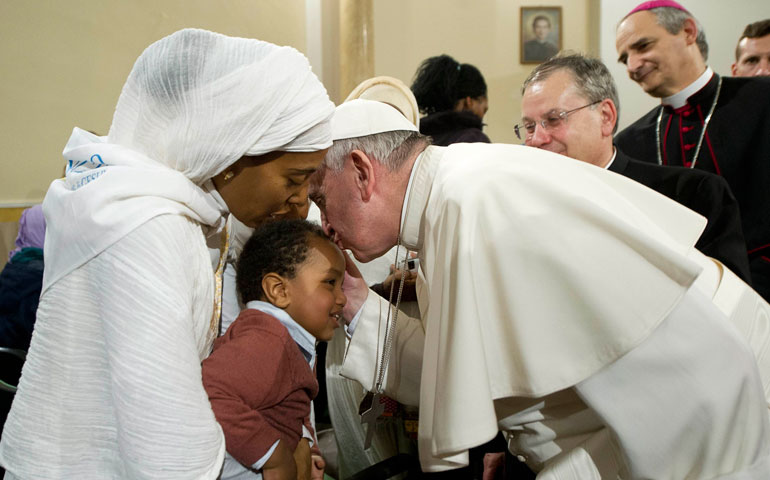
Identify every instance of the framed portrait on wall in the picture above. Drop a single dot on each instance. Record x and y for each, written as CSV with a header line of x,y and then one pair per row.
x,y
541,33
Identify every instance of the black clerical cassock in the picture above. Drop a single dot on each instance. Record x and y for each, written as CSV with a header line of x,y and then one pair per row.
x,y
735,145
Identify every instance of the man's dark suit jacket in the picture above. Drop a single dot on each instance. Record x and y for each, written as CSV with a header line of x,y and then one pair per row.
x,y
736,147
703,192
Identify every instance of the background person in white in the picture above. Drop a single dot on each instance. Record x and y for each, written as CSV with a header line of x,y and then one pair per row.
x,y
542,290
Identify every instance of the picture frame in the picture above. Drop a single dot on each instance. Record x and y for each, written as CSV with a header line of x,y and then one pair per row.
x,y
541,33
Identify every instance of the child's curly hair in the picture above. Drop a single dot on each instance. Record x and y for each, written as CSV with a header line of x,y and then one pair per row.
x,y
277,247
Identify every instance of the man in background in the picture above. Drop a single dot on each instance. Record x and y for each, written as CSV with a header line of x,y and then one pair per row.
x,y
569,86
752,55
705,121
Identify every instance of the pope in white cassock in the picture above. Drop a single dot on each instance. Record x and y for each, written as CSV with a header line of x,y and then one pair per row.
x,y
561,304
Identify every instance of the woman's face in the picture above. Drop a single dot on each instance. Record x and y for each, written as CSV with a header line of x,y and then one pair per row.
x,y
271,185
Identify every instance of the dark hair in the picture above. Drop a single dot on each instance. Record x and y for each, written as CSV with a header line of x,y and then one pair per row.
x,y
753,30
276,247
441,81
541,17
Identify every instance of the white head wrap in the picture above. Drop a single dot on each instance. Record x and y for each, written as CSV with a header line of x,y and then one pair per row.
x,y
194,103
197,101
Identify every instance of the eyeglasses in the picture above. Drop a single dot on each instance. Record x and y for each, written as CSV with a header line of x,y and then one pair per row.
x,y
552,121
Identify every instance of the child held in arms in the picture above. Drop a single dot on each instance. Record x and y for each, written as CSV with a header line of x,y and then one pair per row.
x,y
259,377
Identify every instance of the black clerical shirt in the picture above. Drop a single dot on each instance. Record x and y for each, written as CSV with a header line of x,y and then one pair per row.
x,y
736,146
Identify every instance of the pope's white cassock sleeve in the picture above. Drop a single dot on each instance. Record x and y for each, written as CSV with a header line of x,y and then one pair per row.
x,y
405,367
533,289
113,388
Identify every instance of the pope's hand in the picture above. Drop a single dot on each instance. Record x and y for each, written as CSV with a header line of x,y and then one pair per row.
x,y
355,289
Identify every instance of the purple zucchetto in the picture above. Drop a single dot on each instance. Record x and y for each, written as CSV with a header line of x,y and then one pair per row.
x,y
657,4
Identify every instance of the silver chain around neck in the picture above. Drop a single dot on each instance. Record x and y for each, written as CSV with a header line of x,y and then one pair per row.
x,y
390,327
702,133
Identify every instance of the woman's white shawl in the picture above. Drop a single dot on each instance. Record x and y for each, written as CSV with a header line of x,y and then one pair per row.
x,y
112,387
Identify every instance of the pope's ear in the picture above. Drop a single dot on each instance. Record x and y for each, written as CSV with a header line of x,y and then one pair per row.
x,y
274,288
364,172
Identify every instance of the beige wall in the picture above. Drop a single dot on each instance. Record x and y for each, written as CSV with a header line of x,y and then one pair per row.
x,y
63,65
483,33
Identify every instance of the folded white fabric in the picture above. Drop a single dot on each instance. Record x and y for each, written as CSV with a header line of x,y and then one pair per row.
x,y
196,101
389,90
360,117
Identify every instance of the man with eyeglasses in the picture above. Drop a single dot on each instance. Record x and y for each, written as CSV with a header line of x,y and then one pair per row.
x,y
704,121
570,106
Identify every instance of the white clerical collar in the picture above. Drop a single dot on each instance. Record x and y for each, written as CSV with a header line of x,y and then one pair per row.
x,y
679,99
614,154
409,188
304,339
416,197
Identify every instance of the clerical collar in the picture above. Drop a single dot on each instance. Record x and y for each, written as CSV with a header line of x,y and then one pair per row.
x,y
614,154
304,339
417,193
679,99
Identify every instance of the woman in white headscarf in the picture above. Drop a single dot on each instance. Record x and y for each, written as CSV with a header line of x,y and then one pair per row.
x,y
205,125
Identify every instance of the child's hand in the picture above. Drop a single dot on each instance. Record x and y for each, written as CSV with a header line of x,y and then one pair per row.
x,y
395,276
302,459
280,465
317,467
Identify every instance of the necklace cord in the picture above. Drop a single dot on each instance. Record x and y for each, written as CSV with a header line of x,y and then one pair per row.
x,y
390,326
702,133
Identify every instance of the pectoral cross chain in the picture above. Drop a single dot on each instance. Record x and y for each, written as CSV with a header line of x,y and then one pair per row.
x,y
371,414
